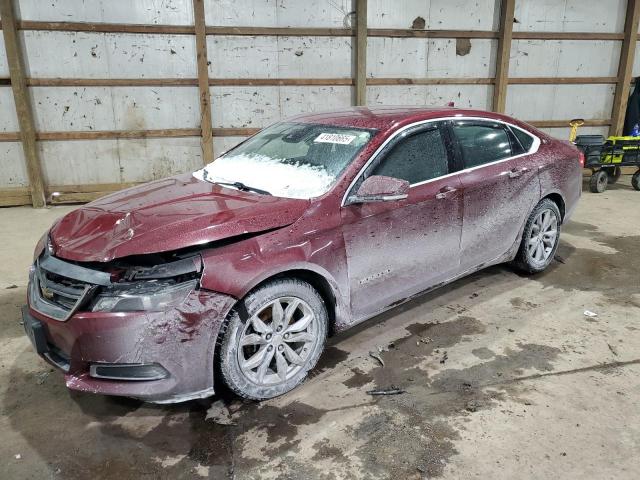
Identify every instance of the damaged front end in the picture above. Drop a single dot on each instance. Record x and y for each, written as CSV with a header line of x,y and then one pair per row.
x,y
139,326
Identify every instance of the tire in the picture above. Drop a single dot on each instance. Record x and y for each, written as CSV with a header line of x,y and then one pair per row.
x,y
598,181
528,258
613,174
254,321
635,180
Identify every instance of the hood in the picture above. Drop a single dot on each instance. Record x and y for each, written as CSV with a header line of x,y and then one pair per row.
x,y
166,215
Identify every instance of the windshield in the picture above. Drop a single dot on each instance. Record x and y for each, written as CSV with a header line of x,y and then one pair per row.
x,y
294,160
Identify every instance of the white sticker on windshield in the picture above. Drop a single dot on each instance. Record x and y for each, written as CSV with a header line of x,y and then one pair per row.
x,y
335,138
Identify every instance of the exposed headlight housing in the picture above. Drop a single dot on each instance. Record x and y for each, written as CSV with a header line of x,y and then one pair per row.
x,y
143,296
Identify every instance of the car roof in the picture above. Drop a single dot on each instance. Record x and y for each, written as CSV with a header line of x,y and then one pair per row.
x,y
392,117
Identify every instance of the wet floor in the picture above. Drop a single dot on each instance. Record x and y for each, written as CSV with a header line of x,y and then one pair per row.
x,y
503,377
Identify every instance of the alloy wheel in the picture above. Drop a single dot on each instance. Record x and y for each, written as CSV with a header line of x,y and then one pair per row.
x,y
277,341
543,236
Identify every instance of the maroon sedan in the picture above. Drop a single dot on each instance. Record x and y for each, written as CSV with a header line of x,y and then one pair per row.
x,y
238,272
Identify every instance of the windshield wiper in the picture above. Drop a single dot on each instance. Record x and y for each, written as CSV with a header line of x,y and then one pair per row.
x,y
239,185
242,187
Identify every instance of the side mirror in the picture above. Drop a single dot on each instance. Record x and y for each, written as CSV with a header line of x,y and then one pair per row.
x,y
378,188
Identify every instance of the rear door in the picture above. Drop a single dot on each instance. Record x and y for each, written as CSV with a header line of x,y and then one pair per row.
x,y
500,187
398,248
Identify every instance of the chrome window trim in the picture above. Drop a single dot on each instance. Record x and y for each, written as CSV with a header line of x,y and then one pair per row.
x,y
534,148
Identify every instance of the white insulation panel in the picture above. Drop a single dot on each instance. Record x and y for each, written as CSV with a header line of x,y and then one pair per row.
x,y
437,14
13,170
223,144
419,58
471,96
261,106
161,12
564,58
115,108
280,13
113,161
570,15
109,55
285,57
4,67
551,102
8,118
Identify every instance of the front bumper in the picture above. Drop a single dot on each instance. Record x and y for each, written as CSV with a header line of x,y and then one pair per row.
x,y
180,340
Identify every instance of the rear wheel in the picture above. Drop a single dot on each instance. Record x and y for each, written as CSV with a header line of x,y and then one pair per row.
x,y
273,338
598,181
613,174
540,238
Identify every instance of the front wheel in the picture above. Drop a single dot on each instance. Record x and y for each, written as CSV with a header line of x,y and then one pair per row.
x,y
540,238
273,338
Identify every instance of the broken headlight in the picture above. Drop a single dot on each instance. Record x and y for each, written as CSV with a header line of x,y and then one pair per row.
x,y
143,296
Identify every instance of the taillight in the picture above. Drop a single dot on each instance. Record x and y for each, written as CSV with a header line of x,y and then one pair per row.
x,y
581,158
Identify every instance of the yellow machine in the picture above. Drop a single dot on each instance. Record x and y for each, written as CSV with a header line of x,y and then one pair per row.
x,y
606,157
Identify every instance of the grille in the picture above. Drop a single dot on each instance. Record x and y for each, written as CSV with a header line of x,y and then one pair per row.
x,y
58,288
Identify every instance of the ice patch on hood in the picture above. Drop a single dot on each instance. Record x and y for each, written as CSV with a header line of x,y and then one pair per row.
x,y
281,178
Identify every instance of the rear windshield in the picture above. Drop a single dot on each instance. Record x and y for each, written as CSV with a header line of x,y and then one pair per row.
x,y
295,160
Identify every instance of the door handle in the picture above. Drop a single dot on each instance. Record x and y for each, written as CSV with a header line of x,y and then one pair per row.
x,y
445,192
517,172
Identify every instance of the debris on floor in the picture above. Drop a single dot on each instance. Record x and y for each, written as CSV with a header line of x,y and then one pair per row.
x,y
10,287
377,357
613,349
42,376
445,357
392,390
219,414
589,313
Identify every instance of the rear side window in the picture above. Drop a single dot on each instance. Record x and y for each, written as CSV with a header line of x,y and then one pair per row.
x,y
482,143
416,158
524,138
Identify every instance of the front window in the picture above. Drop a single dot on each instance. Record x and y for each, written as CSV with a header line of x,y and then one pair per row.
x,y
294,160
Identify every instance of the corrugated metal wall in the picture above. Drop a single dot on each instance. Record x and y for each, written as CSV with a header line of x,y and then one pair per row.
x,y
94,55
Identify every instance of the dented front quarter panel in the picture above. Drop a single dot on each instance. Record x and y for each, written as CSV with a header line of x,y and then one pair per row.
x,y
181,339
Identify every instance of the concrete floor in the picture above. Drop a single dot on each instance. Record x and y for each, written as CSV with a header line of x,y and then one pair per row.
x,y
505,378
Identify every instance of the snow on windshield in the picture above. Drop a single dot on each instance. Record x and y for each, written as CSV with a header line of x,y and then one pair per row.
x,y
289,159
291,180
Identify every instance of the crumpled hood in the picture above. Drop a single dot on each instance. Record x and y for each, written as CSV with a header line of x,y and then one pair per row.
x,y
167,215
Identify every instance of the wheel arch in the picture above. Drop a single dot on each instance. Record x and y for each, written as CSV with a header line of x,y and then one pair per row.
x,y
557,198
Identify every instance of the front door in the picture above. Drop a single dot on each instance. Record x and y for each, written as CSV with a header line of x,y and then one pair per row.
x,y
500,187
398,248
